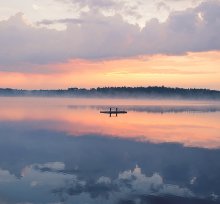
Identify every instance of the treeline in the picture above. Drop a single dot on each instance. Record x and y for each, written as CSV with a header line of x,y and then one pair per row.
x,y
131,92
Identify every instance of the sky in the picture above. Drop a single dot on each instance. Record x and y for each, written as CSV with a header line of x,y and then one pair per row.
x,y
89,43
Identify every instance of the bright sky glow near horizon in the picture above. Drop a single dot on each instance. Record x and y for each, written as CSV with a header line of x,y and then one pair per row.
x,y
89,43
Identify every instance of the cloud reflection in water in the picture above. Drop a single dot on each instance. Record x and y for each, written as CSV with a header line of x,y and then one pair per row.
x,y
54,154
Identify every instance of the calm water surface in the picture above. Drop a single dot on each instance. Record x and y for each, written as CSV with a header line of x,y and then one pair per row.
x,y
57,150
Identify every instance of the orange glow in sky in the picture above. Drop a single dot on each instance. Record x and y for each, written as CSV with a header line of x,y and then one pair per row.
x,y
199,70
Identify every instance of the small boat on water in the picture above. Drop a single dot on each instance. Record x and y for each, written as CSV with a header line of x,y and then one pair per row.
x,y
116,112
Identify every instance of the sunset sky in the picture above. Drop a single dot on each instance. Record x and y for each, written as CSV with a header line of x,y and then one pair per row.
x,y
89,43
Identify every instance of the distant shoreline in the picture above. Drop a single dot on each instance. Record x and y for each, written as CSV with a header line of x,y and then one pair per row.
x,y
118,92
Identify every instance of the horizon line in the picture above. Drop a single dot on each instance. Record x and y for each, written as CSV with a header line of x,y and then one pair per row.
x,y
68,88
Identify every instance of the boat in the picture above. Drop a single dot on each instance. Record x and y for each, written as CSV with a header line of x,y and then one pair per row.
x,y
116,112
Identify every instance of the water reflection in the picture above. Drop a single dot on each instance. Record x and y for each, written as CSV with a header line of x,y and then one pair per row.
x,y
52,152
46,167
192,123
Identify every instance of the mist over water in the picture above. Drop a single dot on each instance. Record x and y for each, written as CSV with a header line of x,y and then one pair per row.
x,y
62,150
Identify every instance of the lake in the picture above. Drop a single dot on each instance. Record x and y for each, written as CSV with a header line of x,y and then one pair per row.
x,y
63,150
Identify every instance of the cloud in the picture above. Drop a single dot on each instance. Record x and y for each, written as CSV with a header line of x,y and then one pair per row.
x,y
94,4
129,184
36,7
55,166
95,36
193,180
6,177
141,184
66,20
135,12
105,180
162,5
